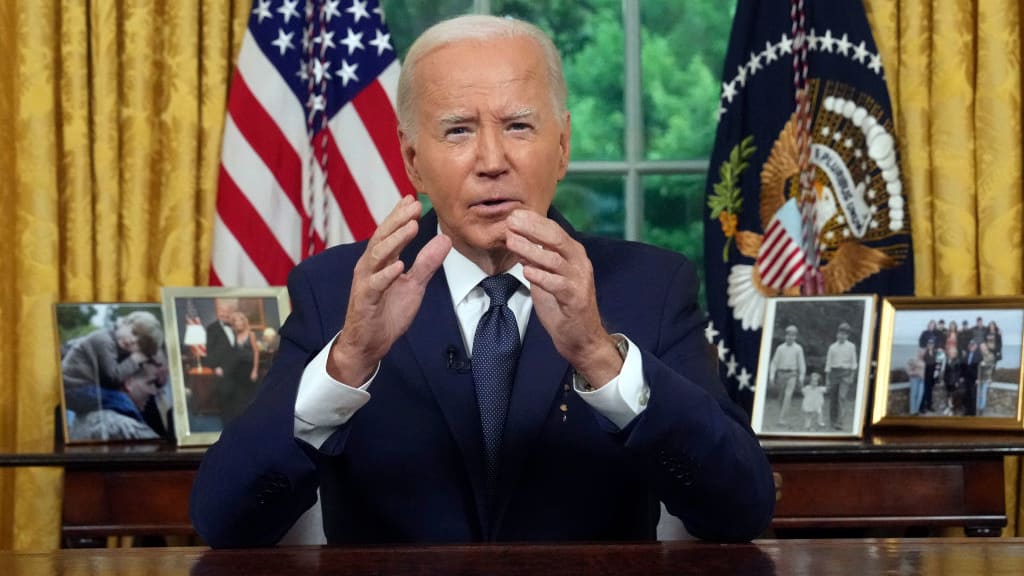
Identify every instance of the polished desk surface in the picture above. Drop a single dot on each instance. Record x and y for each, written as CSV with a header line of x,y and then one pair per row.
x,y
912,444
912,557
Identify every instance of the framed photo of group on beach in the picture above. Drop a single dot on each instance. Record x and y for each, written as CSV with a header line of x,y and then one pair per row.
x,y
812,377
950,363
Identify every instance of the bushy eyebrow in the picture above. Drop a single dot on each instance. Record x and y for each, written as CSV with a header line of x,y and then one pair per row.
x,y
523,112
454,119
450,119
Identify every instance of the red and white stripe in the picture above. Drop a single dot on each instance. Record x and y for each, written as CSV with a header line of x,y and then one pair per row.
x,y
780,260
274,203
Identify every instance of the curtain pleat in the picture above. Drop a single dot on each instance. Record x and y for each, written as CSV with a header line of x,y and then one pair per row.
x,y
998,149
954,174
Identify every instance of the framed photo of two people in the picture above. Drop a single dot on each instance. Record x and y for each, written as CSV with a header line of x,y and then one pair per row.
x,y
221,343
115,385
812,377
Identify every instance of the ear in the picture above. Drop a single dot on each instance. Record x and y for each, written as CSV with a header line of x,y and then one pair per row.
x,y
408,145
564,146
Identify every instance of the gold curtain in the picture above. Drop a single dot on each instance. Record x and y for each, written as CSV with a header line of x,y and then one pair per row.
x,y
953,69
111,113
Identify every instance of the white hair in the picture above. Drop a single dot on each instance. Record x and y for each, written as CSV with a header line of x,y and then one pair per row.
x,y
475,27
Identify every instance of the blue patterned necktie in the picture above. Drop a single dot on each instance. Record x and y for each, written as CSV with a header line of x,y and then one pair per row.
x,y
495,353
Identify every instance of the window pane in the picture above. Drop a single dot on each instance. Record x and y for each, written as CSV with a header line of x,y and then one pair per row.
x,y
589,35
406,19
593,204
673,215
683,49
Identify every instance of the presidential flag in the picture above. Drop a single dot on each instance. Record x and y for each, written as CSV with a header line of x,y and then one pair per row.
x,y
310,156
804,120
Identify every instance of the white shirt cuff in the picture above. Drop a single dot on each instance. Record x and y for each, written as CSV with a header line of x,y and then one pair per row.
x,y
322,403
624,397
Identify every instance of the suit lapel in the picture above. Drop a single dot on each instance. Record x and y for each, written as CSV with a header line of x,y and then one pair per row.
x,y
435,330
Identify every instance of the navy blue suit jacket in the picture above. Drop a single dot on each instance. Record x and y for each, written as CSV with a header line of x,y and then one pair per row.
x,y
409,465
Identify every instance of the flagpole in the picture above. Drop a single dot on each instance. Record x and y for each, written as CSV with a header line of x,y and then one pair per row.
x,y
812,283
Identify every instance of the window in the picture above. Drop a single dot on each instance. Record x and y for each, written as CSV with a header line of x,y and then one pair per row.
x,y
644,79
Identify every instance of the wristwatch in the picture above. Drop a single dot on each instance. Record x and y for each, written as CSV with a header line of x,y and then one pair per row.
x,y
580,383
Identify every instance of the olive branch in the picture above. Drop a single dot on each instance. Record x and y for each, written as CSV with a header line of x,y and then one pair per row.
x,y
727,198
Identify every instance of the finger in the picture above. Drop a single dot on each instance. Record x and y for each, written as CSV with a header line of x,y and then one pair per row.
x,y
408,208
556,285
382,279
430,258
534,254
387,250
540,230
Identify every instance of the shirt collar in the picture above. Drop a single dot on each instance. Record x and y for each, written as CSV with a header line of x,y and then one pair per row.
x,y
463,275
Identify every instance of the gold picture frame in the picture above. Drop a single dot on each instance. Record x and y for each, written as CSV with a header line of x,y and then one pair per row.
x,y
221,342
930,376
114,372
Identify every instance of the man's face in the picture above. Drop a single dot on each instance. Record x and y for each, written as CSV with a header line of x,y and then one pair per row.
x,y
140,388
224,310
841,336
790,337
488,140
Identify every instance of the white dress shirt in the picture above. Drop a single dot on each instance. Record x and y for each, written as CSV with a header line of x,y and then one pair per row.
x,y
323,404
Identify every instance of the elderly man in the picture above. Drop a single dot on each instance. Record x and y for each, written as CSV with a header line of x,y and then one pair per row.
x,y
486,372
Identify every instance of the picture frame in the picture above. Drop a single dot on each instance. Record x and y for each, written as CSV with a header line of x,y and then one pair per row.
x,y
115,384
223,342
930,376
832,338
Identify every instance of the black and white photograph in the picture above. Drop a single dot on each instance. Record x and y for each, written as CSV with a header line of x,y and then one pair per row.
x,y
114,372
950,362
813,366
223,342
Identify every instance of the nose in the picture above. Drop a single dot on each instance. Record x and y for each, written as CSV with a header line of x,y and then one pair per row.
x,y
491,154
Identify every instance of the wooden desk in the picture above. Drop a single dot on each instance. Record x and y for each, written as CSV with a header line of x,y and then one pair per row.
x,y
923,557
894,479
121,489
882,481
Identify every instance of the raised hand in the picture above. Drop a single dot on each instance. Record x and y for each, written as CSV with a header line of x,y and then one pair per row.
x,y
562,284
385,297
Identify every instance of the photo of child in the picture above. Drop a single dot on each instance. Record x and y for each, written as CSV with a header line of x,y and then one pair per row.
x,y
814,401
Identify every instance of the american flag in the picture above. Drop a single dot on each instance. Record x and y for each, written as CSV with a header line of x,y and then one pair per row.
x,y
313,95
780,258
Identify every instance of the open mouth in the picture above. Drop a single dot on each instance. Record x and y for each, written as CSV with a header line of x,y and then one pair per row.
x,y
495,202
